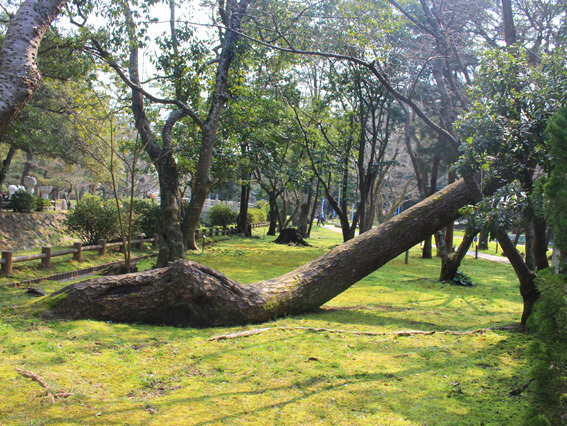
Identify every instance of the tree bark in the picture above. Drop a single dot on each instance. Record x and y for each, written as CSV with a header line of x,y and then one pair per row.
x,y
528,289
450,264
242,220
6,164
483,240
187,293
19,72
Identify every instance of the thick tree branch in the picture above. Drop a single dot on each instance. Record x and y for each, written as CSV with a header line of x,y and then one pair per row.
x,y
19,72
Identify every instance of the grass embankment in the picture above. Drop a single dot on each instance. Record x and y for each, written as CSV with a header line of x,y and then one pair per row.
x,y
122,374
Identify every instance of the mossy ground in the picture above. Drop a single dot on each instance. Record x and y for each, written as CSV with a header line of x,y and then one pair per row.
x,y
123,374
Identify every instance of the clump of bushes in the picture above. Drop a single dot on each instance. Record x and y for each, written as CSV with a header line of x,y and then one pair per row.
x,y
221,215
92,220
146,217
24,202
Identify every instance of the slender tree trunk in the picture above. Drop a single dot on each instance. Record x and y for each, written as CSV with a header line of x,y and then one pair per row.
x,y
427,251
6,164
314,209
273,213
450,264
450,229
27,165
187,293
528,289
540,244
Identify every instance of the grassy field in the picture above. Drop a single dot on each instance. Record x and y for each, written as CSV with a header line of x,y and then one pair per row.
x,y
317,368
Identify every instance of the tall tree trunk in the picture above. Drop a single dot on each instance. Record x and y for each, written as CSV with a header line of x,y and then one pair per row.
x,y
187,293
6,164
274,213
483,240
19,73
242,222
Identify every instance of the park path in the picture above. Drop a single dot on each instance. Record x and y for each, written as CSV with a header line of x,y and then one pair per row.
x,y
492,257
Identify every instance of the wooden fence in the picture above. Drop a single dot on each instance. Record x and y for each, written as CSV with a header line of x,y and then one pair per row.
x,y
8,258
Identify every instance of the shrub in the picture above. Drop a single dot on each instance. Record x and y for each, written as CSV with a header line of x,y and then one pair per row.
x,y
147,216
463,279
21,201
92,220
257,215
221,215
40,204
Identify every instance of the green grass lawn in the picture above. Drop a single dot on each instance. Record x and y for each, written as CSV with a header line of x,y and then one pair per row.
x,y
292,374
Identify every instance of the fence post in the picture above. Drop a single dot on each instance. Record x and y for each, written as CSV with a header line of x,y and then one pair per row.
x,y
46,261
156,241
7,265
196,234
102,249
211,232
77,255
122,247
141,243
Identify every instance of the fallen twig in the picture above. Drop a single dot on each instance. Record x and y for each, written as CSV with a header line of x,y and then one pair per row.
x,y
44,385
239,334
358,333
518,391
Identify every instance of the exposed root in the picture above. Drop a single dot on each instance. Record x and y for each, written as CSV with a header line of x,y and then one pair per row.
x,y
52,396
358,333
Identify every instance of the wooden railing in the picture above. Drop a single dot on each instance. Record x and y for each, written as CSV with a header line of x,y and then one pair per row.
x,y
8,258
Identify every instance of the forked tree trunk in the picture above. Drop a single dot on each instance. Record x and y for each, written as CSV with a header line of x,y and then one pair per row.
x,y
187,293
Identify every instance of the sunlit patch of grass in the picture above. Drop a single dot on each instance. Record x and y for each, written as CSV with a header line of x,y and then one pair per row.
x,y
289,375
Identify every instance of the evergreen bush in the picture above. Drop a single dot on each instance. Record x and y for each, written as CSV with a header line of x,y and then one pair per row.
x,y
221,215
92,220
23,202
548,352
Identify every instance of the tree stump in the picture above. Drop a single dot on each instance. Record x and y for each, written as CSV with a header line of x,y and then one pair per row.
x,y
291,236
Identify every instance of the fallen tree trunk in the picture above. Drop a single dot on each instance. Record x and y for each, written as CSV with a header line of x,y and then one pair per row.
x,y
187,293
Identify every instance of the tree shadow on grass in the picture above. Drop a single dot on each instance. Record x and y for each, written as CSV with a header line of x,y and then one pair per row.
x,y
374,393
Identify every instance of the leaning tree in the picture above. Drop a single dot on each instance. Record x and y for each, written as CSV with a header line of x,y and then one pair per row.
x,y
187,293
